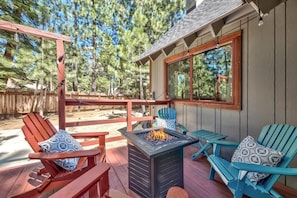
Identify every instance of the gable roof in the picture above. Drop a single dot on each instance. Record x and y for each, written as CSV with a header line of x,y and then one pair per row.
x,y
209,12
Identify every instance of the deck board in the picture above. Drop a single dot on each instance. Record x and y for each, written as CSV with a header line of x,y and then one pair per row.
x,y
118,158
18,179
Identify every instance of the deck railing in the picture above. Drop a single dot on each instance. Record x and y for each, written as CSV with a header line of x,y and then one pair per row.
x,y
14,103
127,103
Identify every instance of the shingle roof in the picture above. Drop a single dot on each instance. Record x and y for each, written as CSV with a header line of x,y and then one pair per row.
x,y
206,13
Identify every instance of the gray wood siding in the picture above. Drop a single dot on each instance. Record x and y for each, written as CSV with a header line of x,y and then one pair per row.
x,y
269,79
291,74
291,62
158,79
280,65
260,75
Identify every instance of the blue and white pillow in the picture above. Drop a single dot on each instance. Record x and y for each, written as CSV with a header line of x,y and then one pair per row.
x,y
62,142
250,151
166,123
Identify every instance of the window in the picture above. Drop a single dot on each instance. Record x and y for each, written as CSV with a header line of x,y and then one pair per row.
x,y
207,75
212,74
179,80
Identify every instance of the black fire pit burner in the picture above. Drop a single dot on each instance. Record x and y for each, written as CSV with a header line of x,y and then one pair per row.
x,y
152,142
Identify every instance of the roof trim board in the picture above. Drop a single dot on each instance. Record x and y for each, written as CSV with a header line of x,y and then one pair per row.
x,y
155,55
169,48
190,39
216,27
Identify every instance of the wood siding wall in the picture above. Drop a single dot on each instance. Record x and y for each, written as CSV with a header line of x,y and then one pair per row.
x,y
269,79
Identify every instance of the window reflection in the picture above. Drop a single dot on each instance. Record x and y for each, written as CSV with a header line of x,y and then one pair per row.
x,y
179,79
212,74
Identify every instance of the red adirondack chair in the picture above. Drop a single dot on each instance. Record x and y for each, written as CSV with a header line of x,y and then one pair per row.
x,y
38,129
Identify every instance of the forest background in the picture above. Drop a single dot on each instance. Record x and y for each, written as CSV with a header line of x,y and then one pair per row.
x,y
107,35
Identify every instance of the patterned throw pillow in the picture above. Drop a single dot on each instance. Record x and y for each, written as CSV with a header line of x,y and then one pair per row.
x,y
62,142
168,123
250,151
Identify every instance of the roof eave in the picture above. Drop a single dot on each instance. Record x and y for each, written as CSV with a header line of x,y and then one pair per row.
x,y
214,27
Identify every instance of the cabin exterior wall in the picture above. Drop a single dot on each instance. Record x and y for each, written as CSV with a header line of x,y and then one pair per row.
x,y
269,79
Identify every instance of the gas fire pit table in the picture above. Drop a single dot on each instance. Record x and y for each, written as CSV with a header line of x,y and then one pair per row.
x,y
156,165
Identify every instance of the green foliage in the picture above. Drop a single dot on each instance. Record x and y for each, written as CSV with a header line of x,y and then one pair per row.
x,y
179,79
206,67
107,35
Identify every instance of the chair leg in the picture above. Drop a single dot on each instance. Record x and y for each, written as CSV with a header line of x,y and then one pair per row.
x,y
239,189
203,149
42,171
212,173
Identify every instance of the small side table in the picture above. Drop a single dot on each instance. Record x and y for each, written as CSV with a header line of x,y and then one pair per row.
x,y
208,136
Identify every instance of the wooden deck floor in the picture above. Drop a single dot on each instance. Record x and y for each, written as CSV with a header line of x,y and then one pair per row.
x,y
15,180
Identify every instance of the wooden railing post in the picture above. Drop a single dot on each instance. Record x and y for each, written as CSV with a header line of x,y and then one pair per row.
x,y
61,83
129,116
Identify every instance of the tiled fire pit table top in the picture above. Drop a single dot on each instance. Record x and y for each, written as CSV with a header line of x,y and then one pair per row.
x,y
156,148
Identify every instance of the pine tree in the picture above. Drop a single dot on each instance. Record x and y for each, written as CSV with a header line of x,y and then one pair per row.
x,y
107,36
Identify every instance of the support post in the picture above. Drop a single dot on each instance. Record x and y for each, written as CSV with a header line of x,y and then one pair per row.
x,y
61,83
129,116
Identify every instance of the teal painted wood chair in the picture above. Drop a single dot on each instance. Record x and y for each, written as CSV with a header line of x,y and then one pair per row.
x,y
167,118
278,137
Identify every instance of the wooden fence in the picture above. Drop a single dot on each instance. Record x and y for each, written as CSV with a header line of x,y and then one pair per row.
x,y
15,103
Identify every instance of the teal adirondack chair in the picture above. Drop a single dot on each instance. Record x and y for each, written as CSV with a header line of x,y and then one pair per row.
x,y
167,118
280,137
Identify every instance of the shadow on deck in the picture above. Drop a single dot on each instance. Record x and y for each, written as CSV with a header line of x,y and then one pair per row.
x,y
18,179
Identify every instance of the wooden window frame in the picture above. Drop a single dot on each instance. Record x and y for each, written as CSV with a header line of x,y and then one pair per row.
x,y
235,40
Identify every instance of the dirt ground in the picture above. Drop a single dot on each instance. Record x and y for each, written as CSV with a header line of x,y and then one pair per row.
x,y
17,123
14,149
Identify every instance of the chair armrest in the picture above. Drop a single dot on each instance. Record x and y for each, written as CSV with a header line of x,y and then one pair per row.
x,y
97,135
86,182
224,143
63,155
265,169
89,134
183,129
217,144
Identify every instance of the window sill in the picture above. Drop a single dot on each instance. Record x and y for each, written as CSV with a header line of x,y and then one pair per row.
x,y
209,104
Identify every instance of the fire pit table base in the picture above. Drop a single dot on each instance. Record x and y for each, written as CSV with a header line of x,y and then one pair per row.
x,y
152,177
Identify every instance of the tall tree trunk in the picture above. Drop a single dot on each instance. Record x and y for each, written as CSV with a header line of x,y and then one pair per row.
x,y
41,99
75,80
141,89
94,75
8,51
33,107
45,103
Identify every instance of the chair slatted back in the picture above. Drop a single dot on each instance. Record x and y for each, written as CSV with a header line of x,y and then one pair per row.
x,y
167,113
281,137
37,129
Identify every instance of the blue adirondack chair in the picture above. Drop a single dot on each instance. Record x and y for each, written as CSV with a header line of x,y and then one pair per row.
x,y
279,137
167,118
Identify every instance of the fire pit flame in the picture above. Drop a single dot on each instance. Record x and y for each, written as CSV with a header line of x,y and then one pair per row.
x,y
157,135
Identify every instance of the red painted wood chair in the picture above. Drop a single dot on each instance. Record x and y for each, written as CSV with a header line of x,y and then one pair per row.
x,y
38,129
87,184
